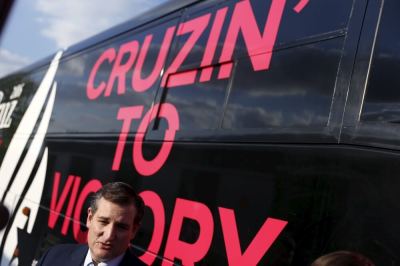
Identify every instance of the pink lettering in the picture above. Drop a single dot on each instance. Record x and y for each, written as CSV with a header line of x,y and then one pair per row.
x,y
212,44
71,203
56,206
92,92
259,47
182,78
139,84
143,166
258,246
119,70
196,27
154,202
126,114
187,252
300,5
259,42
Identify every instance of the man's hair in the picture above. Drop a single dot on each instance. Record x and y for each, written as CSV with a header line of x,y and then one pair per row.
x,y
122,194
343,258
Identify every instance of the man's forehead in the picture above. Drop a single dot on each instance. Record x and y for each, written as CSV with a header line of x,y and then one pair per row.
x,y
106,208
104,201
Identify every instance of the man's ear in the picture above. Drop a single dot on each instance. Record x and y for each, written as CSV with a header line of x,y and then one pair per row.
x,y
89,217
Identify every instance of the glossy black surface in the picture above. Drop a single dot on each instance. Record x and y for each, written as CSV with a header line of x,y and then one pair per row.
x,y
373,110
382,97
30,83
291,93
282,143
333,197
200,106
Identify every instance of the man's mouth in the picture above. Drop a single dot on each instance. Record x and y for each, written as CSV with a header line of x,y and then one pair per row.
x,y
105,246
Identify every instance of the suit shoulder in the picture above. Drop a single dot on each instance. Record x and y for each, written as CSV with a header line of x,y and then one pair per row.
x,y
65,248
64,254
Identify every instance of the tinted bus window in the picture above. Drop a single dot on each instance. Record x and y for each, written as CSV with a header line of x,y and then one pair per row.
x,y
212,27
15,95
316,18
123,73
264,55
296,91
382,99
199,105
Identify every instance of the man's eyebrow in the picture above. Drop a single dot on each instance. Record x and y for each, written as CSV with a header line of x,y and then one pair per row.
x,y
122,224
103,218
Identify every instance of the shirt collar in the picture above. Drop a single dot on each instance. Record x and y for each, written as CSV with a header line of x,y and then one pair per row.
x,y
113,262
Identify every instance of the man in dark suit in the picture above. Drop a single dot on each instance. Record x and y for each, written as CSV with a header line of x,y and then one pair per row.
x,y
114,216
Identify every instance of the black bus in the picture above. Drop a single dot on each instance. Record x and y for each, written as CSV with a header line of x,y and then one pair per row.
x,y
258,132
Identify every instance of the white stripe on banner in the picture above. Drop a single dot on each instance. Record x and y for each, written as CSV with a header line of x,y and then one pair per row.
x,y
13,155
26,126
31,157
31,201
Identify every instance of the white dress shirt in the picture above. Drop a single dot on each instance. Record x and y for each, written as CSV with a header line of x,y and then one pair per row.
x,y
112,262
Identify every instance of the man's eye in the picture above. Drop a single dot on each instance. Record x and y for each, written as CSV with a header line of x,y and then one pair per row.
x,y
102,222
123,227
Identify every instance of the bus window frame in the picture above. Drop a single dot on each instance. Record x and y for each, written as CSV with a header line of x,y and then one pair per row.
x,y
355,131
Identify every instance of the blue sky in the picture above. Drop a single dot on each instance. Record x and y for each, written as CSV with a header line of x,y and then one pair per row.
x,y
38,28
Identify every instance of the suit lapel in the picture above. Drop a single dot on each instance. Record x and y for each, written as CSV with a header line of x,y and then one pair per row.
x,y
130,259
126,260
79,254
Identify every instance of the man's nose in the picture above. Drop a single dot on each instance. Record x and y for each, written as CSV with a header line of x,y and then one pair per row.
x,y
109,232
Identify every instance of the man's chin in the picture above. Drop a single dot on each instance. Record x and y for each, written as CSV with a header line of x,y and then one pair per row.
x,y
101,255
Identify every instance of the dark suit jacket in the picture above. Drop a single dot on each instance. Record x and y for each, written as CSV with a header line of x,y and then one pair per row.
x,y
74,254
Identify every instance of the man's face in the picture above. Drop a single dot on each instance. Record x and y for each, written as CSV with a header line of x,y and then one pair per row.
x,y
111,228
